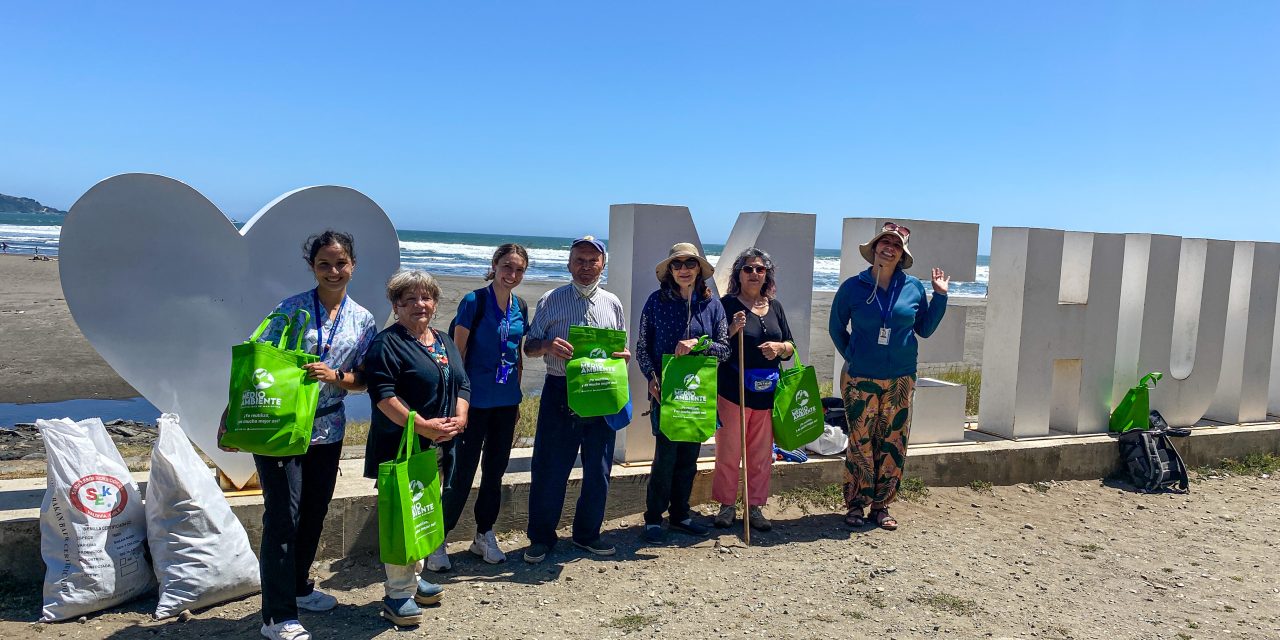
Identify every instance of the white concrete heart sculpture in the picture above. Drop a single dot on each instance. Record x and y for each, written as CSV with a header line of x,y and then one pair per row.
x,y
162,284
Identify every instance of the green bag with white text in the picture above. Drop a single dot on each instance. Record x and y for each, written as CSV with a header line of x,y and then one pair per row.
x,y
797,407
410,516
596,382
271,402
688,409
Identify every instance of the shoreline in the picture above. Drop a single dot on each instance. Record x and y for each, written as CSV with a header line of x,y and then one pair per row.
x,y
47,359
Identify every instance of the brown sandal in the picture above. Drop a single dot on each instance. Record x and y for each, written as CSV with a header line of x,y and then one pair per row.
x,y
883,519
855,519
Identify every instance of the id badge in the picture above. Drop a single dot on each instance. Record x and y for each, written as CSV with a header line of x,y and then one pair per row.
x,y
884,336
503,373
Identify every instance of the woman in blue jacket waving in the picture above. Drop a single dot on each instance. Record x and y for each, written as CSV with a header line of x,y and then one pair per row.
x,y
875,318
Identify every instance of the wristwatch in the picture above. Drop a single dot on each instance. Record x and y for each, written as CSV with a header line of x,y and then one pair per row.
x,y
342,375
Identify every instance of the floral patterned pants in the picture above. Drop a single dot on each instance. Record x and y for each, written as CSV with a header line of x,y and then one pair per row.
x,y
879,416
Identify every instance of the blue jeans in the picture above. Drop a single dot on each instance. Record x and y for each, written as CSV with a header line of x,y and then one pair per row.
x,y
560,437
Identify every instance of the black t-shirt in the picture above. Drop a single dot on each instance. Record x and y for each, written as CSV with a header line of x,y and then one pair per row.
x,y
772,327
398,365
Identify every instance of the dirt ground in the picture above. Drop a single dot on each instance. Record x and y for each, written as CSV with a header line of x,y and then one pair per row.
x,y
1059,560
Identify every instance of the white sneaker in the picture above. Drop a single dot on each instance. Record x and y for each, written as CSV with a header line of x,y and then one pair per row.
x,y
439,559
287,630
317,600
486,546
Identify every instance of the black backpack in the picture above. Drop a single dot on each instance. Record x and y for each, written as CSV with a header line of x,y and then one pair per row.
x,y
1150,459
482,305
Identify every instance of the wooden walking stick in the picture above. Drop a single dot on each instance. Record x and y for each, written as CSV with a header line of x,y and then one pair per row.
x,y
742,428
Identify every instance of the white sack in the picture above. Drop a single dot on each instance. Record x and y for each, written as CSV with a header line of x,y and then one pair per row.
x,y
831,442
200,550
92,531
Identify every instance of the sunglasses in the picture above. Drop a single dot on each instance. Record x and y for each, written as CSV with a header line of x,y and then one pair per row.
x,y
897,228
689,263
755,268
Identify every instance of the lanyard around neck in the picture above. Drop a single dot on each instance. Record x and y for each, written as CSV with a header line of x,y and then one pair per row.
x,y
891,294
322,347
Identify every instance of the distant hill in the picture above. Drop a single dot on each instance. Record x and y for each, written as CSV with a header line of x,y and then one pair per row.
x,y
15,204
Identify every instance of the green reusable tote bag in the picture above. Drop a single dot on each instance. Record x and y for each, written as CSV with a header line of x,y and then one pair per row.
x,y
797,407
596,382
410,518
1134,410
688,409
272,404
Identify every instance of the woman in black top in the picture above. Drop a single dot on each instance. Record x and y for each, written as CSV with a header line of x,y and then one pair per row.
x,y
767,341
411,366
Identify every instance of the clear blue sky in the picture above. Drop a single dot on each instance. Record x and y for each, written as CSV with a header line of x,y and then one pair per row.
x,y
534,117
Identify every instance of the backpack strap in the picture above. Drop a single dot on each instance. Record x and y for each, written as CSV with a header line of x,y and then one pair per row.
x,y
482,300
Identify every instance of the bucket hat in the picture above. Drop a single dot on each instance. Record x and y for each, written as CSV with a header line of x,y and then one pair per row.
x,y
680,251
868,248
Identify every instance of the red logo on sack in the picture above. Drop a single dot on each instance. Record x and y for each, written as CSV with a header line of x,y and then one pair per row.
x,y
99,496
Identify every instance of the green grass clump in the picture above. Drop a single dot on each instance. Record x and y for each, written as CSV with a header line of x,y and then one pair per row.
x,y
981,486
913,489
971,378
1253,464
632,622
357,433
527,422
829,497
945,602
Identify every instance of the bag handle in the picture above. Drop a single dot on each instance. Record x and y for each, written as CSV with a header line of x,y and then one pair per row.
x,y
299,328
409,444
795,355
703,343
1151,378
266,322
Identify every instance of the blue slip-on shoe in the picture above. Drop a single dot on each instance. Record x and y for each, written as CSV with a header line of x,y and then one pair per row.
x,y
402,612
597,546
653,534
689,526
428,593
537,552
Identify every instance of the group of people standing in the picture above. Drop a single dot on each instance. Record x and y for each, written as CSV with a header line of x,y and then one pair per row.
x,y
464,387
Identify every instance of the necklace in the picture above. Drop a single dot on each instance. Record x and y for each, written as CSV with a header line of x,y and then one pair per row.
x,y
759,303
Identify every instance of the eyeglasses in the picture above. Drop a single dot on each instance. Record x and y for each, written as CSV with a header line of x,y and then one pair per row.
x,y
409,301
755,268
690,263
897,228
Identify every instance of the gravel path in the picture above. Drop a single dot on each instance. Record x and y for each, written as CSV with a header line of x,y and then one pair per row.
x,y
1062,560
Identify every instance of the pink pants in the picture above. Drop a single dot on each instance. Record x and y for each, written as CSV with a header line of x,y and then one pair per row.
x,y
724,487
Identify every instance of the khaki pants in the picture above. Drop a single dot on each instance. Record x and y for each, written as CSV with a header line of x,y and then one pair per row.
x,y
402,580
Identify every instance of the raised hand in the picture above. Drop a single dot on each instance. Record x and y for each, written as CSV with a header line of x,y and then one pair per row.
x,y
940,281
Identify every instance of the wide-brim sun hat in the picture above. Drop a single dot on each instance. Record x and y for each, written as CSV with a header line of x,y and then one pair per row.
x,y
680,251
868,248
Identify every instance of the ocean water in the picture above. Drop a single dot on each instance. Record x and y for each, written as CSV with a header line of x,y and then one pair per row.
x,y
466,254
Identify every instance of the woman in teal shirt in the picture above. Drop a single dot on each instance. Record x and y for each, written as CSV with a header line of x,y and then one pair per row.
x,y
875,318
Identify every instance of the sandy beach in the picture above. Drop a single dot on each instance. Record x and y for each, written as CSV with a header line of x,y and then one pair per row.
x,y
47,359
